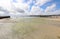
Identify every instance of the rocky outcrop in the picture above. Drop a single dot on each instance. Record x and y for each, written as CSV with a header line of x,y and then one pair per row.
x,y
2,17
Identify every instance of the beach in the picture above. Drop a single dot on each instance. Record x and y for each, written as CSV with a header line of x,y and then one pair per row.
x,y
30,28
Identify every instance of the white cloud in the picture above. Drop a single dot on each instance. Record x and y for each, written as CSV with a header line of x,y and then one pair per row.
x,y
56,12
2,13
50,8
41,2
36,11
20,5
5,4
8,5
25,6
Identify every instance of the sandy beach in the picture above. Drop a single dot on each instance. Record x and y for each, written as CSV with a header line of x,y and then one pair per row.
x,y
30,28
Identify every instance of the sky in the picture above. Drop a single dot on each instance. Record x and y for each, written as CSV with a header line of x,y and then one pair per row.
x,y
29,7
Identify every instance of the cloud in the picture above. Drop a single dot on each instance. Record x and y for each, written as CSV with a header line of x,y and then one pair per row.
x,y
27,4
4,10
41,2
36,10
37,2
57,12
21,7
8,7
50,8
5,4
20,10
20,4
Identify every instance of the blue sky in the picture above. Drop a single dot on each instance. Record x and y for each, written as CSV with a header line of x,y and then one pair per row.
x,y
44,6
